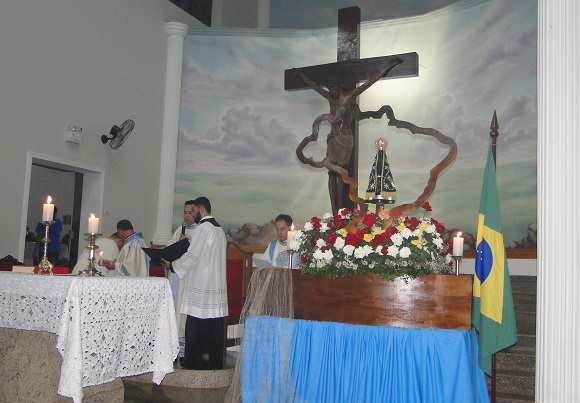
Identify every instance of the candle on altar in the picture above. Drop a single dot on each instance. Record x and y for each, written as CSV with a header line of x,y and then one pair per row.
x,y
458,244
48,210
93,224
290,237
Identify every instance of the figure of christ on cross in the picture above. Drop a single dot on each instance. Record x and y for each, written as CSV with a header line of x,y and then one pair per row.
x,y
341,95
340,141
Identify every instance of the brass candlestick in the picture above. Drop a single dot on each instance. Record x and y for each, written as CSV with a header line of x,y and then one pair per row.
x,y
91,270
45,267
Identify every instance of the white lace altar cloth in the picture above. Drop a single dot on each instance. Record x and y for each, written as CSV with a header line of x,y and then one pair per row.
x,y
107,327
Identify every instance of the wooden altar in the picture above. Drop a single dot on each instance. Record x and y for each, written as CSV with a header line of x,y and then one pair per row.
x,y
438,301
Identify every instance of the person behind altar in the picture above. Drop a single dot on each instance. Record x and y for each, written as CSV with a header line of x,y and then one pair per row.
x,y
276,252
132,261
109,248
205,299
53,250
185,231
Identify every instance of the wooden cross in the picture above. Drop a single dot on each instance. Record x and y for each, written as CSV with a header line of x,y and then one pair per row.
x,y
350,70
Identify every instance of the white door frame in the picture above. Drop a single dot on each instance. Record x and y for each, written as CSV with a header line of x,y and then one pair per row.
x,y
92,193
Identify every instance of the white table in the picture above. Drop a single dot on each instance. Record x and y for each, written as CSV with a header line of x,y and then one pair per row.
x,y
106,327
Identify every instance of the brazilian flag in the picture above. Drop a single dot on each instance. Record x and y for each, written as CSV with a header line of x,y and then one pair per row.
x,y
493,308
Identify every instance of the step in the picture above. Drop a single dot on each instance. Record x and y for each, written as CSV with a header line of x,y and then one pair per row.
x,y
524,284
515,364
526,344
524,302
526,323
515,385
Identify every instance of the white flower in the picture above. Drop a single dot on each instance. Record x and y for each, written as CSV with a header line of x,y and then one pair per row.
x,y
339,243
328,256
327,216
431,229
406,233
308,226
417,232
405,252
438,242
324,227
320,242
318,254
392,250
397,239
363,251
348,250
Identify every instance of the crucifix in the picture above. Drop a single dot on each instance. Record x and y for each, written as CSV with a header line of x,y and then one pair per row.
x,y
341,79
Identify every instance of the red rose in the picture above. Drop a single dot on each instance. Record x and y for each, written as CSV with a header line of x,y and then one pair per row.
x,y
386,236
331,239
302,259
426,206
369,220
385,250
398,214
315,222
376,241
352,239
355,211
361,232
440,228
324,248
312,243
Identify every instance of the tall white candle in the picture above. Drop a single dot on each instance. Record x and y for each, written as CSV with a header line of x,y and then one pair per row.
x,y
93,224
458,244
48,210
290,237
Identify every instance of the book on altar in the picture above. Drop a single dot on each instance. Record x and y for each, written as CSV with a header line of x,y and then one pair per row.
x,y
261,263
170,252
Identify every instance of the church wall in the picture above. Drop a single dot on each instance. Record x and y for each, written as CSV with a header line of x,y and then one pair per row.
x,y
93,65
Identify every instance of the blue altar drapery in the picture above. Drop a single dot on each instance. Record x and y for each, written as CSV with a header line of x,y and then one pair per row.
x,y
286,360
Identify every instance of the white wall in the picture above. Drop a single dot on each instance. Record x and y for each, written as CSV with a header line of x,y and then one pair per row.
x,y
92,64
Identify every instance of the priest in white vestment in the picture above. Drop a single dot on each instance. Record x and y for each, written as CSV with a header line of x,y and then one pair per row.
x,y
185,231
276,252
132,260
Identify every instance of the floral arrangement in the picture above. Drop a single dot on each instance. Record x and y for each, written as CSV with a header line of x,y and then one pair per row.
x,y
409,248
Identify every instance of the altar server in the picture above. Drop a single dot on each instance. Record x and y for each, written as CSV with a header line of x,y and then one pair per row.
x,y
205,299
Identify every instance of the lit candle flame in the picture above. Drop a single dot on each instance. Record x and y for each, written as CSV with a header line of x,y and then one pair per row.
x,y
48,200
93,216
459,233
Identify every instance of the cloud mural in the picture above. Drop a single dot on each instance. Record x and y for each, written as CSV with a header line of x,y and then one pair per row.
x,y
239,129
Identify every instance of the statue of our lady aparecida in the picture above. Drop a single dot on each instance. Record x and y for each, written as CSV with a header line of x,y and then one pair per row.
x,y
381,187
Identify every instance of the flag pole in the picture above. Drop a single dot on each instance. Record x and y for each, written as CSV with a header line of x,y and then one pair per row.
x,y
494,134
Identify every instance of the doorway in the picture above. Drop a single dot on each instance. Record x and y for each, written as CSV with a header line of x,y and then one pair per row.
x,y
77,190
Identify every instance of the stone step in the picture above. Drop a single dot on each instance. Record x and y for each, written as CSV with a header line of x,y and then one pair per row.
x,y
526,344
509,398
524,284
521,364
526,323
524,302
515,385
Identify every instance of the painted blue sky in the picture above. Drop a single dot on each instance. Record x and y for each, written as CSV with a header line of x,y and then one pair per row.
x,y
475,57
